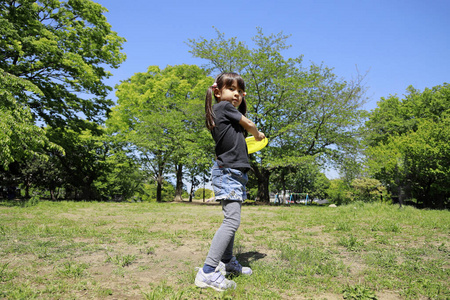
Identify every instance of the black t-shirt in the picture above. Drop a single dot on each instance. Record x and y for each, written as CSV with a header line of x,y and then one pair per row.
x,y
231,149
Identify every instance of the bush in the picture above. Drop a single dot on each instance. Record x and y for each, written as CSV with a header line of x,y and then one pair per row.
x,y
361,189
149,192
199,193
368,190
252,193
339,192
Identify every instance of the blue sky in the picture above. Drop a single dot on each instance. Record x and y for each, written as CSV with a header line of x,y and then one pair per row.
x,y
399,42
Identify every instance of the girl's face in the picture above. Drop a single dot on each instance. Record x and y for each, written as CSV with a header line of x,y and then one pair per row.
x,y
232,94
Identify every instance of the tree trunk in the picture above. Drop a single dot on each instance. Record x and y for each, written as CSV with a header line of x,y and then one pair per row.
x,y
158,191
190,193
263,184
27,190
179,186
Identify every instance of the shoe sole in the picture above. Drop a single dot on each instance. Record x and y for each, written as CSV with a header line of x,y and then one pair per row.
x,y
236,274
204,285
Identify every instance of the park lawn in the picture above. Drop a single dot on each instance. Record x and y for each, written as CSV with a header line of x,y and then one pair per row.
x,y
92,250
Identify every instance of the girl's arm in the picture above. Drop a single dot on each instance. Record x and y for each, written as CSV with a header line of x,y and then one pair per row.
x,y
251,128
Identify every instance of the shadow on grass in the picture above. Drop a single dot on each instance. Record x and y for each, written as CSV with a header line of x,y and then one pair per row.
x,y
248,257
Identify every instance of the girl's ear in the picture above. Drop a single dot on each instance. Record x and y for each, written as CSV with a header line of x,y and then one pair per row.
x,y
217,93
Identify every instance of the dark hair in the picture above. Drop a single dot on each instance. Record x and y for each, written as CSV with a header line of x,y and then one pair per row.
x,y
223,80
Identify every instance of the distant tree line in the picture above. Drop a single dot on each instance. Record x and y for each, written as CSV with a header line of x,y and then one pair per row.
x,y
62,138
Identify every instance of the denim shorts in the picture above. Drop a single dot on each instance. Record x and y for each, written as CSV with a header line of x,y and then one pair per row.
x,y
228,184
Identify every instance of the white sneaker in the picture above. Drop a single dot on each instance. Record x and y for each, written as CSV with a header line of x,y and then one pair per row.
x,y
233,267
213,280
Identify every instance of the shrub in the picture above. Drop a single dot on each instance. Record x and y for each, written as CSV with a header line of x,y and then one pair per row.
x,y
339,192
368,190
149,192
199,193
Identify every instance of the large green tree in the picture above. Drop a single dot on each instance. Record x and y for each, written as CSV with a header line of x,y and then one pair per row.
x,y
408,145
63,48
85,160
20,138
304,178
303,111
93,168
54,58
160,115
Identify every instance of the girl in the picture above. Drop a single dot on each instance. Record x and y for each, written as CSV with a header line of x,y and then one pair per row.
x,y
226,120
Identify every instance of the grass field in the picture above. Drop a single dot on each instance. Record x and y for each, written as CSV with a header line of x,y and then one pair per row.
x,y
90,250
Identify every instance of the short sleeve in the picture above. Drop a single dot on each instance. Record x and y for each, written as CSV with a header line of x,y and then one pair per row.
x,y
232,113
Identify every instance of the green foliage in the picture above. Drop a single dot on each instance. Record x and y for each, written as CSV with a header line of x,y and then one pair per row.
x,y
123,178
339,192
303,178
368,190
320,186
360,189
85,159
159,114
90,169
199,193
54,57
149,192
409,144
302,111
63,48
20,138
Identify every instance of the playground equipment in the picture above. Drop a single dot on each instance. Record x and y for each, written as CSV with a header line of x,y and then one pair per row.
x,y
296,198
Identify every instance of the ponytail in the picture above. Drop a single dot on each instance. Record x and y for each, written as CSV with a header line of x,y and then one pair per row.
x,y
208,109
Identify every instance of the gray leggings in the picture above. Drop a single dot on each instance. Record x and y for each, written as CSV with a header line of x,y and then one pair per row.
x,y
223,241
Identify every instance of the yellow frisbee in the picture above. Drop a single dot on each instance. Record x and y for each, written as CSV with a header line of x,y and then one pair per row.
x,y
254,146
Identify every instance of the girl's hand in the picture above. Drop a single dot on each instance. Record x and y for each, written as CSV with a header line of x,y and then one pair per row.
x,y
251,128
260,136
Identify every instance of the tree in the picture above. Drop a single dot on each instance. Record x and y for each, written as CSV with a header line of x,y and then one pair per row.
x,y
54,57
20,138
85,160
160,114
303,112
62,48
321,185
408,145
304,178
340,192
43,176
368,190
123,179
198,161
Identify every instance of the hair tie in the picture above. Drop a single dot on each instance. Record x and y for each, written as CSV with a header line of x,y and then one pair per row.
x,y
214,86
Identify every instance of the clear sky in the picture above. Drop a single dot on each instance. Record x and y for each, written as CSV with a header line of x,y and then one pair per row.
x,y
398,42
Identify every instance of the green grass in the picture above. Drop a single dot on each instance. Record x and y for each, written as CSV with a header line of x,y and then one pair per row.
x,y
73,250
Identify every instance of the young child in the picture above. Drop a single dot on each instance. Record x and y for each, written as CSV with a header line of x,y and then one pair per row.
x,y
226,120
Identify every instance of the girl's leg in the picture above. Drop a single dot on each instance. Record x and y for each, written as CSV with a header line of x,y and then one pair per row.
x,y
228,254
222,243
